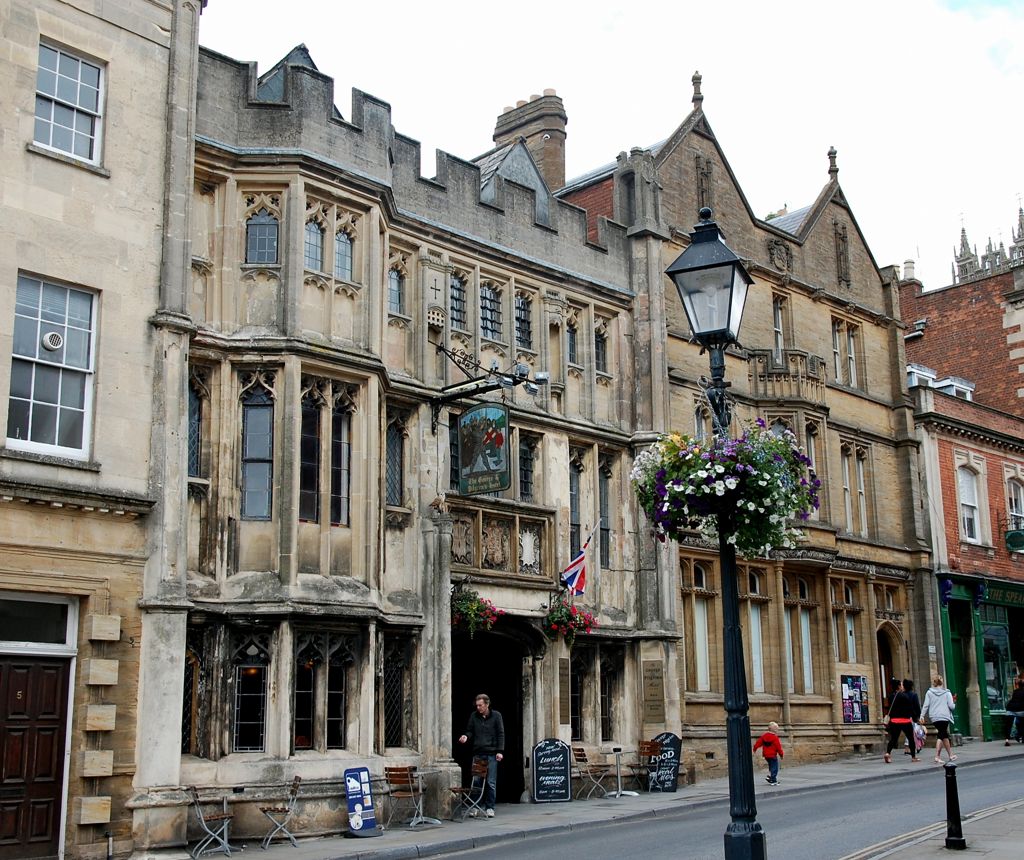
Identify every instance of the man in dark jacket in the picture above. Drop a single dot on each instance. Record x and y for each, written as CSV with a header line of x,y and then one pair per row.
x,y
486,730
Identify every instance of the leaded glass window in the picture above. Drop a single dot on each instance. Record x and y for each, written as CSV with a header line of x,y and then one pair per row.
x,y
341,465
396,292
571,344
195,423
600,351
261,238
457,302
257,454
395,464
309,461
524,321
343,256
313,254
490,312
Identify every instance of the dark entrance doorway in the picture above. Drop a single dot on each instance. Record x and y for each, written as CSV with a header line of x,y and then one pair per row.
x,y
888,673
33,704
490,663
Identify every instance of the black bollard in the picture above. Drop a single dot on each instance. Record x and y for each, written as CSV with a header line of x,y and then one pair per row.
x,y
954,832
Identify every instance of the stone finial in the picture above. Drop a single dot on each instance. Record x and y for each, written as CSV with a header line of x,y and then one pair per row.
x,y
697,97
833,170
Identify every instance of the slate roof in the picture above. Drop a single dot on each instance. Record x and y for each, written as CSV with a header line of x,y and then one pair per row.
x,y
489,162
600,172
791,222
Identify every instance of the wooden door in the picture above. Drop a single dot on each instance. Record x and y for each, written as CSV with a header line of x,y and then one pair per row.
x,y
33,716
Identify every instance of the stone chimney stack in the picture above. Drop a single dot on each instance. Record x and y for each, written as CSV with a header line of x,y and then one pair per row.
x,y
541,122
908,270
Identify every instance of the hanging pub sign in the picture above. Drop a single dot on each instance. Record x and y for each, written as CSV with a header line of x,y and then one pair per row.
x,y
484,464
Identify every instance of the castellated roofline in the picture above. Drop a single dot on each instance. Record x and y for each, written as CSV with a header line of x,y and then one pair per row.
x,y
304,123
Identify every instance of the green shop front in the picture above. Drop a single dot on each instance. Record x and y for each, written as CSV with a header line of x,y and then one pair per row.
x,y
983,646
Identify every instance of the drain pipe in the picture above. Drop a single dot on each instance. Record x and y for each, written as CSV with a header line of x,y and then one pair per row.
x,y
110,845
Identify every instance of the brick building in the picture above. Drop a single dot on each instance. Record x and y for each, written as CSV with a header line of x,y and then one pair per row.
x,y
963,348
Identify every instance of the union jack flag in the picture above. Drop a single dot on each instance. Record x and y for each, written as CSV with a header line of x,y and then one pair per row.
x,y
574,577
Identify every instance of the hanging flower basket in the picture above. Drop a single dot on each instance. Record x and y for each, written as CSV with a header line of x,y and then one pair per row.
x,y
471,612
567,619
752,487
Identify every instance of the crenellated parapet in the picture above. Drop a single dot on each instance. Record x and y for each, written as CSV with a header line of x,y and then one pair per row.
x,y
297,119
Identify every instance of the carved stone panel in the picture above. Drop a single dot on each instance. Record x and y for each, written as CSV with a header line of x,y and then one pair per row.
x,y
529,548
463,538
497,544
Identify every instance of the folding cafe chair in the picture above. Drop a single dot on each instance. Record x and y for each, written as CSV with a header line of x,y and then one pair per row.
x,y
215,829
644,767
405,788
590,773
279,816
467,799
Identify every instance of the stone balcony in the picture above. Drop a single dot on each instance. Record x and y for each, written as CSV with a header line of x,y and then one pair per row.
x,y
787,376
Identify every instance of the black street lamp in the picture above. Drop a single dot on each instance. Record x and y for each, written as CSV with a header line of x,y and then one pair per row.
x,y
712,284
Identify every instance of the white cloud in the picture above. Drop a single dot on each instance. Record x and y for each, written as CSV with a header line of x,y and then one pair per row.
x,y
920,98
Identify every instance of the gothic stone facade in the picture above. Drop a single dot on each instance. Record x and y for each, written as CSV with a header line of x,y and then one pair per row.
x,y
84,250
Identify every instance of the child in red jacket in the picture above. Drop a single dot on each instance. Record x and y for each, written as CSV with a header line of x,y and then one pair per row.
x,y
771,748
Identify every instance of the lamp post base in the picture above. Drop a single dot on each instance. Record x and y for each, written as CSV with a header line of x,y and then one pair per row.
x,y
745,840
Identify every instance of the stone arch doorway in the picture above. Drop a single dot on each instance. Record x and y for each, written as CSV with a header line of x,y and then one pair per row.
x,y
890,664
492,663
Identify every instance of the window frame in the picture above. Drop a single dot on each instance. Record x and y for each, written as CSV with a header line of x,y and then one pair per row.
x,y
523,320
458,302
1015,504
63,369
600,350
96,116
394,472
347,260
257,245
313,251
248,406
778,327
396,292
490,311
966,504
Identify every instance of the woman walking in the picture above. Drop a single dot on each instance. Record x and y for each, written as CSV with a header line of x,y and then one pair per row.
x,y
904,711
939,705
1015,712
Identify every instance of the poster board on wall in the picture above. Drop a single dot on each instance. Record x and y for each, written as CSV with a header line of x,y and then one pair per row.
x,y
856,695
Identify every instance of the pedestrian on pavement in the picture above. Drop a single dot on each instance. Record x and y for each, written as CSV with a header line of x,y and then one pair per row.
x,y
1015,713
771,749
904,711
938,706
486,730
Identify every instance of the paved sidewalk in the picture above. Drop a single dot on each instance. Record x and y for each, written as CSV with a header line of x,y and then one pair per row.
x,y
995,833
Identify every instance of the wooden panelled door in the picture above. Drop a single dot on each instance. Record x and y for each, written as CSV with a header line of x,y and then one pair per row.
x,y
33,718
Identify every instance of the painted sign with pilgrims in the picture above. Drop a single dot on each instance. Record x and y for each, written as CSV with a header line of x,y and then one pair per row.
x,y
484,463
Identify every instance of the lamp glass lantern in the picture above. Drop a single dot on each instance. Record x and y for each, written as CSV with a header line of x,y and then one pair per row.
x,y
712,284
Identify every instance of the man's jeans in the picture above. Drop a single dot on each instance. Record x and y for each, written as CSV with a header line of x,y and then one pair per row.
x,y
490,791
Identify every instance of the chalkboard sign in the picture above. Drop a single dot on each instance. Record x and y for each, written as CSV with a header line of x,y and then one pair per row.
x,y
552,770
665,767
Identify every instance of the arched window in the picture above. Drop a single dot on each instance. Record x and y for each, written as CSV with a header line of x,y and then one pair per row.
x,y
314,246
343,256
490,311
700,577
396,292
457,302
261,238
803,592
257,454
967,485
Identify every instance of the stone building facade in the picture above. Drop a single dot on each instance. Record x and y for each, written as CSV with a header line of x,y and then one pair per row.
x,y
822,356
291,527
962,345
93,169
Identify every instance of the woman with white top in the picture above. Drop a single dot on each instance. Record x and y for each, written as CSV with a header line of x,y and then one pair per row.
x,y
939,705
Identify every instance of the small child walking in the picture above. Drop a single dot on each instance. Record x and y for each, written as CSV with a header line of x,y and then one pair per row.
x,y
771,748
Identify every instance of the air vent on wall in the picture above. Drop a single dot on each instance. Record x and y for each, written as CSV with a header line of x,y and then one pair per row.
x,y
52,340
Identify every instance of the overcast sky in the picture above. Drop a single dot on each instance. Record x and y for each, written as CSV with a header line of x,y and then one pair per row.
x,y
921,98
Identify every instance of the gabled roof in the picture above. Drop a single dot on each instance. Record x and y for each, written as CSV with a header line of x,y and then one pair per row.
x,y
270,85
489,162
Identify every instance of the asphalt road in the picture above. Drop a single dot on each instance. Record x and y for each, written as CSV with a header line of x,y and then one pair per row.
x,y
820,824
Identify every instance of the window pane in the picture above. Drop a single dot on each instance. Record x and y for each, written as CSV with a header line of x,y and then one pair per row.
x,y
47,384
26,335
21,379
250,708
72,389
47,58
258,432
343,256
335,707
33,621
302,720
17,419
44,424
67,66
71,425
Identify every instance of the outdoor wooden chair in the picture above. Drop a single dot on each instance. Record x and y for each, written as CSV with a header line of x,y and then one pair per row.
x,y
642,772
215,828
467,799
404,787
279,816
590,773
